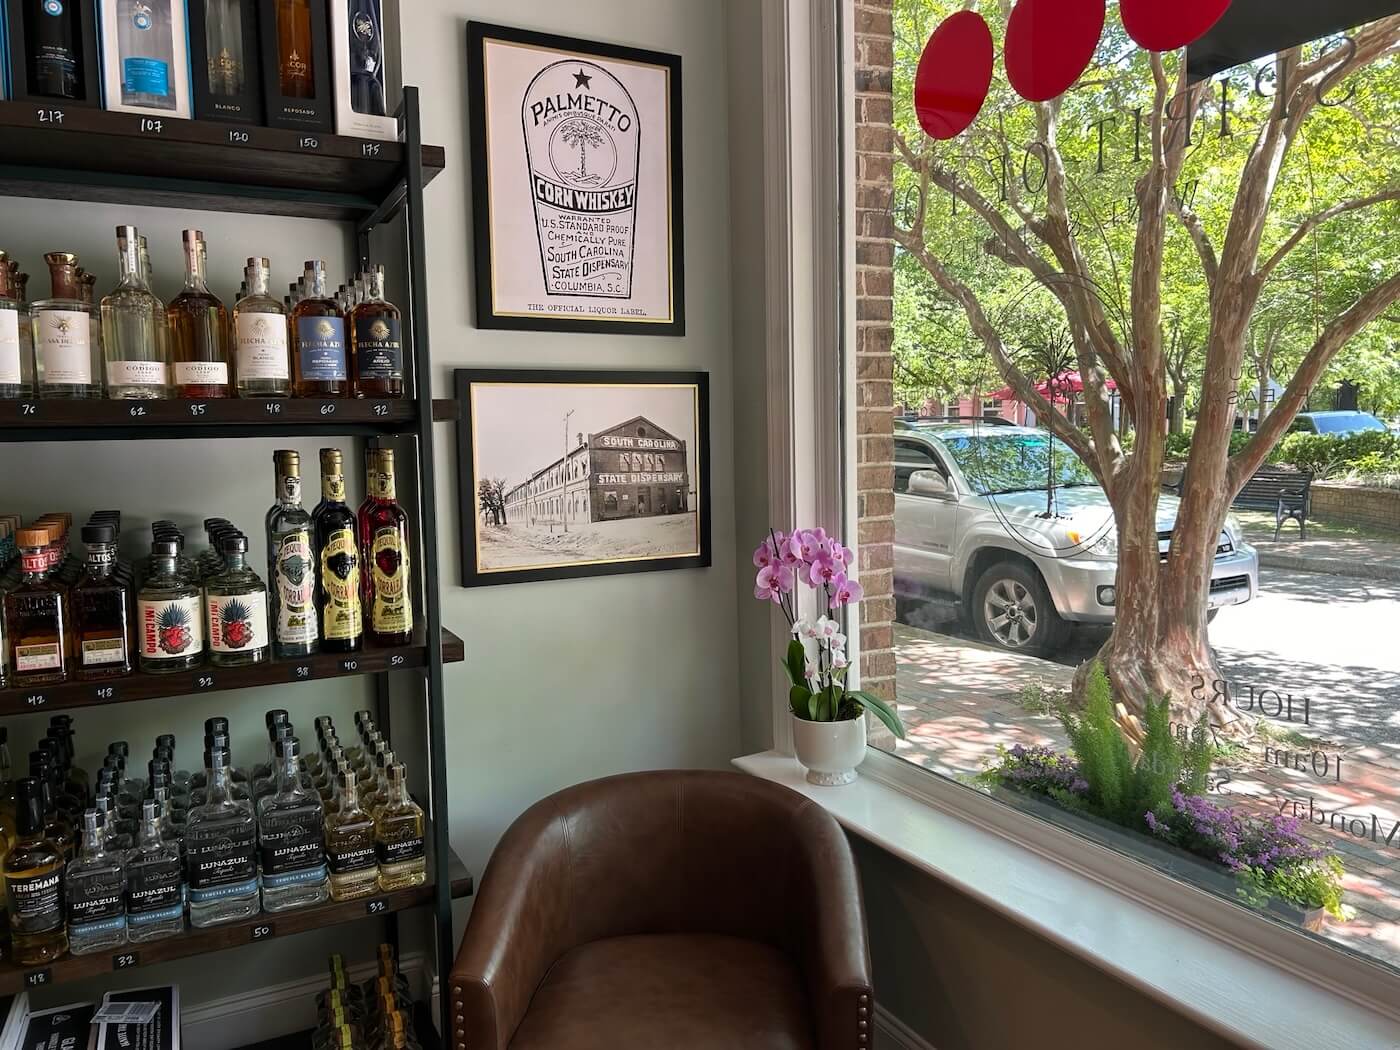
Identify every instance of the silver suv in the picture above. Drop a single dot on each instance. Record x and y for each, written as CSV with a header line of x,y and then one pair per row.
x,y
1013,525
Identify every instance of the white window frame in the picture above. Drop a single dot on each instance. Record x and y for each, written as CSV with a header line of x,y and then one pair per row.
x,y
809,114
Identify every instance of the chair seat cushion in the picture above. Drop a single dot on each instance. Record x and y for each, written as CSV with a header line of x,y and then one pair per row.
x,y
668,992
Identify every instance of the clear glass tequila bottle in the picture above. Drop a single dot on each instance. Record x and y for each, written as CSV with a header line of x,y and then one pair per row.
x,y
350,845
155,882
169,620
133,329
221,851
16,335
146,47
95,891
399,836
291,827
63,335
198,326
236,601
223,35
262,356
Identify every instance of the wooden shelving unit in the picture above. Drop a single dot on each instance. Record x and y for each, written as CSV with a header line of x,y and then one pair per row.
x,y
86,154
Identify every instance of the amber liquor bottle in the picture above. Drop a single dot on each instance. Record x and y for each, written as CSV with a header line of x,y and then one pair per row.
x,y
321,360
295,75
338,598
388,597
38,624
376,334
34,885
199,331
103,612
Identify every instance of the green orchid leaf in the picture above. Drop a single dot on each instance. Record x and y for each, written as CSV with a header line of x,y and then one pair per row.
x,y
880,710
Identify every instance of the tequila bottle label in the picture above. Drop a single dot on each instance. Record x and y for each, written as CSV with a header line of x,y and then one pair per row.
x,y
340,580
261,346
400,851
392,609
379,342
581,145
321,344
201,373
153,888
170,628
136,373
229,861
94,901
99,651
296,589
355,855
293,847
41,657
9,346
63,342
237,622
35,901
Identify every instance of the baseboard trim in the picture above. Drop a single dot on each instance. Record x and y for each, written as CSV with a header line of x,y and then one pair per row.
x,y
893,1034
275,1010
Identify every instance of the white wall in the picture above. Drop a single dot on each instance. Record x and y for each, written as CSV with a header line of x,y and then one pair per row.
x,y
564,681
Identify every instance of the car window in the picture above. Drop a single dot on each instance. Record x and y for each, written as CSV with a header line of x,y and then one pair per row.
x,y
1003,463
910,456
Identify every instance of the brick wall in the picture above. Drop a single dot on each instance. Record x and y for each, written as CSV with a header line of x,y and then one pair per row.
x,y
1377,508
874,142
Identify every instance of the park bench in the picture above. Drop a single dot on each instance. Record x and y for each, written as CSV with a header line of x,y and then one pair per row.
x,y
1288,493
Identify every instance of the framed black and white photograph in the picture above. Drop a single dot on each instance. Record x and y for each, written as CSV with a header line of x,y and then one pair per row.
x,y
576,184
581,473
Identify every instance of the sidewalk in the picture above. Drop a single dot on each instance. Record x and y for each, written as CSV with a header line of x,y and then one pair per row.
x,y
1336,549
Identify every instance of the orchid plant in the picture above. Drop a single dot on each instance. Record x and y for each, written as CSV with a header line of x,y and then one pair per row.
x,y
816,661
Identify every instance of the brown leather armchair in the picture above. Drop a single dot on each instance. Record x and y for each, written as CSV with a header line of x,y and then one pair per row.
x,y
667,911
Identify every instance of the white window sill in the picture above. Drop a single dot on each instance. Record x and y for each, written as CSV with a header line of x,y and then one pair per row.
x,y
1223,987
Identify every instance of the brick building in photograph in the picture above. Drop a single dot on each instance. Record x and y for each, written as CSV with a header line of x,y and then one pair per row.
x,y
632,470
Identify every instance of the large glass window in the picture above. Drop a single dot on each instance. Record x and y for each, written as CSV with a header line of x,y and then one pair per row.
x,y
1163,613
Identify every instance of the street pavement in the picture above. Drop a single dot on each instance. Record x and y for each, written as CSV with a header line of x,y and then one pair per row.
x,y
1325,637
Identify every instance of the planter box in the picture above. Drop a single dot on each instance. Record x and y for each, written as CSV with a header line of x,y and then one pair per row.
x,y
1164,857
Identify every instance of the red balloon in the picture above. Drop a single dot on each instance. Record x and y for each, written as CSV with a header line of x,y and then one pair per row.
x,y
954,75
1165,25
1049,43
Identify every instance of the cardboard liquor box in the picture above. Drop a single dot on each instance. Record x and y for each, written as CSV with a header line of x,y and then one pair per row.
x,y
227,78
361,96
145,59
72,81
296,64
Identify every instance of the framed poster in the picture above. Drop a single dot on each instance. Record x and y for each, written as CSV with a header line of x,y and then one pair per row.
x,y
581,473
576,184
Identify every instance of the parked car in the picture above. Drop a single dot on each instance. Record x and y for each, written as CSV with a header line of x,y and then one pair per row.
x,y
971,524
1339,424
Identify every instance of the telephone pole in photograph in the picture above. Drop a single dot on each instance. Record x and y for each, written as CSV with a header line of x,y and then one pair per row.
x,y
564,503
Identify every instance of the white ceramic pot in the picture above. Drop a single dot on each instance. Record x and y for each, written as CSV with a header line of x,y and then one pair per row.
x,y
830,750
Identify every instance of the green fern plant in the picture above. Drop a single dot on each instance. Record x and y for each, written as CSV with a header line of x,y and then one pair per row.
x,y
1104,759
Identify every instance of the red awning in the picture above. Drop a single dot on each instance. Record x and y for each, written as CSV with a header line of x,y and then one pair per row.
x,y
1065,384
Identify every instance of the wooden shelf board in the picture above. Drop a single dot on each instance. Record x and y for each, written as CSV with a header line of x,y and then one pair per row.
x,y
67,695
14,978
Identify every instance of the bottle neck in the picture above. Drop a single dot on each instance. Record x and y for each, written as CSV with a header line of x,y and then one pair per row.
x,y
129,259
333,487
316,284
259,281
194,267
289,490
288,771
35,563
163,566
220,777
397,791
101,560
150,829
381,485
349,794
235,561
374,286
94,840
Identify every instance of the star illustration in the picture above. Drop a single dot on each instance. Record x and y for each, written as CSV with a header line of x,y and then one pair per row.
x,y
582,79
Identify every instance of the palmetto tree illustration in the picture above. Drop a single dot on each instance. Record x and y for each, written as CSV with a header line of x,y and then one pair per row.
x,y
582,134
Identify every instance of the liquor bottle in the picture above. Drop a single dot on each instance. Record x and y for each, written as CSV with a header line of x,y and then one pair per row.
x,y
350,845
54,58
94,886
97,365
377,342
318,327
221,851
34,885
16,336
38,625
57,828
103,615
63,334
291,827
236,600
179,778
155,882
398,837
295,56
218,726
388,597
291,566
268,770
338,600
223,38
61,729
198,327
146,50
133,329
266,784
170,622
262,358
367,57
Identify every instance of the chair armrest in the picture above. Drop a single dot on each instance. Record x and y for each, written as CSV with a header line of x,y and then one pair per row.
x,y
519,926
835,953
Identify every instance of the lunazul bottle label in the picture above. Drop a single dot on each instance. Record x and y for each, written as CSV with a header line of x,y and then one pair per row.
x,y
237,622
63,345
171,629
321,346
227,861
296,589
91,903
341,615
35,901
294,847
9,346
262,346
398,852
392,609
379,347
153,890
353,856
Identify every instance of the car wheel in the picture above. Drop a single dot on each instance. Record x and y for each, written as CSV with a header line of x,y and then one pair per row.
x,y
1011,608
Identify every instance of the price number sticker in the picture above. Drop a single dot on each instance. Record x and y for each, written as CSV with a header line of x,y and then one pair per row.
x,y
126,960
378,906
204,681
38,978
104,693
263,930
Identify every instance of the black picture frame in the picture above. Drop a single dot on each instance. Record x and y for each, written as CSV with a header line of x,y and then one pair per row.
x,y
487,313
467,380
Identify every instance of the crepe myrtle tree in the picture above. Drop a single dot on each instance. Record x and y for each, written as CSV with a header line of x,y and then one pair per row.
x,y
1222,174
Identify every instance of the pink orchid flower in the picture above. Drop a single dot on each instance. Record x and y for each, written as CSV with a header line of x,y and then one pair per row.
x,y
845,590
773,582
